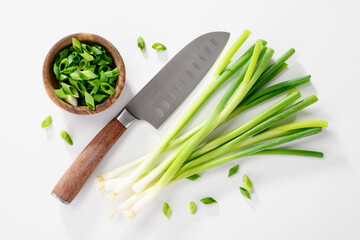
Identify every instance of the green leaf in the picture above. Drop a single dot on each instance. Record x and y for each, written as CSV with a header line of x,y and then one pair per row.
x,y
208,200
141,43
193,177
245,192
166,209
247,183
159,47
89,100
102,63
233,170
64,135
192,207
87,56
76,45
47,122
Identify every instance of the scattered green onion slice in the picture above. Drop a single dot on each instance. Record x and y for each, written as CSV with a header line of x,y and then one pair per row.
x,y
247,183
159,47
245,192
192,207
47,122
64,135
233,170
193,177
141,43
208,200
166,210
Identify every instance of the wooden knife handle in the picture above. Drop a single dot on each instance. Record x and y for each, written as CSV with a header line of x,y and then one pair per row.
x,y
74,178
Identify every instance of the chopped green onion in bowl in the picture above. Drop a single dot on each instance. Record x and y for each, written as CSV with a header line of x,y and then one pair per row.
x,y
86,73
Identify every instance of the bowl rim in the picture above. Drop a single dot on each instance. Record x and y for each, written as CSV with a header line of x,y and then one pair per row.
x,y
48,72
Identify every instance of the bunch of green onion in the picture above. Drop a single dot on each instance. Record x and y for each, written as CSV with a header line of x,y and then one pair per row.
x,y
190,154
86,74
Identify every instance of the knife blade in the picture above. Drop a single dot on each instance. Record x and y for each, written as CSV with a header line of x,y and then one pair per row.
x,y
154,103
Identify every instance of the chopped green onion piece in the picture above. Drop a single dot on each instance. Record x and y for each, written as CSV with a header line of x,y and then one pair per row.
x,y
63,64
112,80
192,207
166,209
68,89
103,78
47,122
87,75
60,93
71,100
56,70
89,100
112,73
83,64
104,69
208,200
233,170
64,135
105,87
75,75
95,89
159,47
108,58
75,57
62,54
96,50
87,56
86,48
247,183
245,192
193,177
76,45
102,63
100,97
69,70
63,77
141,43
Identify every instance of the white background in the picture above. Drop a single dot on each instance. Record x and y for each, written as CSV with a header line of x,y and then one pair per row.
x,y
294,197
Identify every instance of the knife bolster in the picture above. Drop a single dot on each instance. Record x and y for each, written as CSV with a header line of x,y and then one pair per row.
x,y
126,118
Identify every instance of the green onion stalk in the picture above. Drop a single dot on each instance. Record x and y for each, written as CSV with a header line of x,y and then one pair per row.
x,y
256,137
215,82
235,94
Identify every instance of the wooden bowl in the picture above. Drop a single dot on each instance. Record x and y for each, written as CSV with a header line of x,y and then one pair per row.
x,y
51,83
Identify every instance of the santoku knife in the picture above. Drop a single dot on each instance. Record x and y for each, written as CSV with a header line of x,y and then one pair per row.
x,y
154,103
